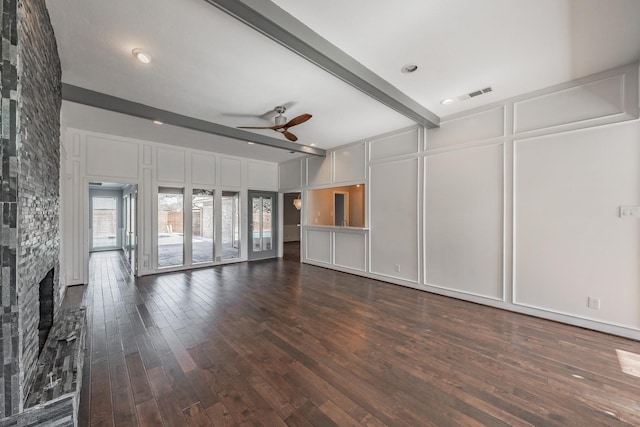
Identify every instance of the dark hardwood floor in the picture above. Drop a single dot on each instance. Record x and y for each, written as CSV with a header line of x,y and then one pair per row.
x,y
277,343
291,251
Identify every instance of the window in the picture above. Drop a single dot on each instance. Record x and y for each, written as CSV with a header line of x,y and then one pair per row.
x,y
230,225
202,226
170,227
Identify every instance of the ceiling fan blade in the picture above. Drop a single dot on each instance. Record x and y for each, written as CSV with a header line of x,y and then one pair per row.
x,y
259,127
298,120
290,136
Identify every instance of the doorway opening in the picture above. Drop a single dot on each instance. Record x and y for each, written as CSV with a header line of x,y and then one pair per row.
x,y
291,210
113,219
341,208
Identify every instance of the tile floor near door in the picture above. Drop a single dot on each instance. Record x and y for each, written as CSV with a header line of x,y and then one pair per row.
x,y
278,343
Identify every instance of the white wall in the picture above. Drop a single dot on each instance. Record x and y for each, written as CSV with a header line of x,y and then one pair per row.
x,y
92,156
514,205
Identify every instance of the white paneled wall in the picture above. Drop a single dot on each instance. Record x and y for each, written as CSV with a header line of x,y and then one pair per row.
x,y
349,163
97,157
319,170
570,241
398,144
290,176
514,205
110,157
262,176
464,221
318,245
231,172
203,169
170,166
395,228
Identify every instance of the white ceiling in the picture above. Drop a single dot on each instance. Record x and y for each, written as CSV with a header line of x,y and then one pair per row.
x,y
210,66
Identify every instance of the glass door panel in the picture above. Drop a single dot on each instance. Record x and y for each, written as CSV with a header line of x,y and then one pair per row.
x,y
202,226
230,225
170,227
262,225
104,222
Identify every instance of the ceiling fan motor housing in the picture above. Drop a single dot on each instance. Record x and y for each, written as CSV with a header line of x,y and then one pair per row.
x,y
280,119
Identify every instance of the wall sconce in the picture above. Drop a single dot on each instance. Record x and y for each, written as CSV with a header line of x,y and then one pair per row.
x,y
297,203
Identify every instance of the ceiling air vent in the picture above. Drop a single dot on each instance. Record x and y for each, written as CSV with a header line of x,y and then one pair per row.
x,y
474,94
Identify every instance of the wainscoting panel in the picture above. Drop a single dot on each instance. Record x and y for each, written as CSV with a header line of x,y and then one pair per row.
x,y
203,169
571,242
464,221
318,245
350,249
395,233
319,170
349,163
230,172
107,157
475,127
262,176
395,145
593,100
170,166
290,175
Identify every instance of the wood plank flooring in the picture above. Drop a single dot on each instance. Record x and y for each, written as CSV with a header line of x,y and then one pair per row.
x,y
277,343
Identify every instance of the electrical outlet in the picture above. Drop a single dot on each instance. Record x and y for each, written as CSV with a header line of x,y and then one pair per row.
x,y
593,302
396,268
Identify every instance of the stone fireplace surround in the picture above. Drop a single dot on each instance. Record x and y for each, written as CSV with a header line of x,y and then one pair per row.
x,y
30,89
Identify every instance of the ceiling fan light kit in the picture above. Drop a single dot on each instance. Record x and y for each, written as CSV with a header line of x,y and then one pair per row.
x,y
281,124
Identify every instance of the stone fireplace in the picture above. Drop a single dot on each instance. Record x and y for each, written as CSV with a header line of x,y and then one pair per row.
x,y
30,90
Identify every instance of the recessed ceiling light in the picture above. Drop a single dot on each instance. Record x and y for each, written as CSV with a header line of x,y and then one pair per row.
x,y
447,101
409,68
141,56
250,143
157,122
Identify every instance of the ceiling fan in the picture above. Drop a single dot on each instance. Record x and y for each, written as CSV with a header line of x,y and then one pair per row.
x,y
282,125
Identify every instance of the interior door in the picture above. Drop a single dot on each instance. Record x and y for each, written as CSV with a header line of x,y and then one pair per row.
x,y
263,222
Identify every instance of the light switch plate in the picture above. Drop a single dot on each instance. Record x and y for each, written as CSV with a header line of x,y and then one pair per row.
x,y
629,211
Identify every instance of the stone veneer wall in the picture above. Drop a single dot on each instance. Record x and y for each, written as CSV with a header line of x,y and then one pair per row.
x,y
31,100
